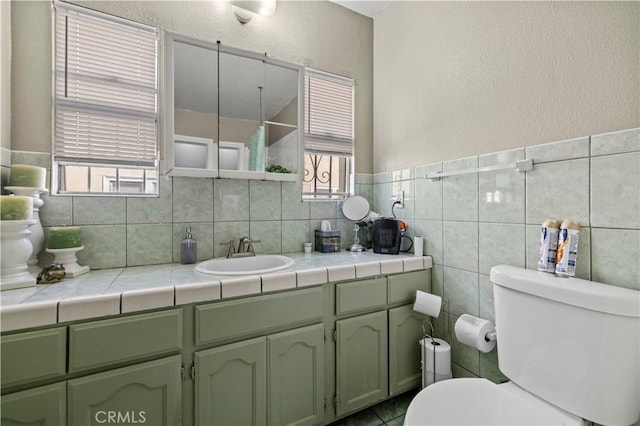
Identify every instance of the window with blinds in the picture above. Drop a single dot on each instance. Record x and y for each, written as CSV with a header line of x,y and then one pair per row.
x,y
105,102
328,136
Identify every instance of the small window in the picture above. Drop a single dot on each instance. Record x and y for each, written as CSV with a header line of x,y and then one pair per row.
x,y
105,104
328,136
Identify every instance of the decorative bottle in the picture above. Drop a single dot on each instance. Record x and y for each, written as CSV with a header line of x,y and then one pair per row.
x,y
188,248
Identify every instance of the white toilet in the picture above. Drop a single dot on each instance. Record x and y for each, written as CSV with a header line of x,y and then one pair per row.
x,y
570,347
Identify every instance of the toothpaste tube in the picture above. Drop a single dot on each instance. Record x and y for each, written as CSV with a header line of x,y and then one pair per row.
x,y
547,251
567,248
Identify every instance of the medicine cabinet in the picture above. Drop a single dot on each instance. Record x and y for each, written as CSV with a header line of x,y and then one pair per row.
x,y
230,113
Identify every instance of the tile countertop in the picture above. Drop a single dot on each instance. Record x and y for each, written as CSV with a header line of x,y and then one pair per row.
x,y
116,291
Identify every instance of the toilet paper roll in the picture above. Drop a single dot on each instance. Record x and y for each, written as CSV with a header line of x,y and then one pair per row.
x,y
418,246
472,331
427,304
442,352
436,360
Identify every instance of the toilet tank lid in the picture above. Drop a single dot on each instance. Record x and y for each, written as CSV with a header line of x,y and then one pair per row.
x,y
571,291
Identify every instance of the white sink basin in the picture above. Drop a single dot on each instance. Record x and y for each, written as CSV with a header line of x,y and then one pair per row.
x,y
260,264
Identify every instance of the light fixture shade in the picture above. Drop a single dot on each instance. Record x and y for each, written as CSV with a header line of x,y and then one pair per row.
x,y
242,15
262,7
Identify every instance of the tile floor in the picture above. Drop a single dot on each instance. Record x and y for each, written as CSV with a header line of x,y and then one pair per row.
x,y
389,413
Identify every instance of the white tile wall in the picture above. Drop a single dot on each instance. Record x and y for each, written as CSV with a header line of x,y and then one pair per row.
x,y
460,193
473,222
127,231
501,194
469,222
615,181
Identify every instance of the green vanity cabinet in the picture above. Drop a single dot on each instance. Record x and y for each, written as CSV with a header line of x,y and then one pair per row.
x,y
257,315
280,376
356,296
296,376
33,356
405,331
274,374
114,341
377,354
364,374
231,384
361,361
402,287
305,356
68,375
45,406
149,392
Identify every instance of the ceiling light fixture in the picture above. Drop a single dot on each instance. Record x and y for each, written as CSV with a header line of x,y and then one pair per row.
x,y
244,9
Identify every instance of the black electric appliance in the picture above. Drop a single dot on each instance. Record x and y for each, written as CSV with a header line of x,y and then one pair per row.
x,y
386,235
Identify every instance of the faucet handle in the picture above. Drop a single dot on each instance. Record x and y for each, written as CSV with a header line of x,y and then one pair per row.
x,y
250,248
232,248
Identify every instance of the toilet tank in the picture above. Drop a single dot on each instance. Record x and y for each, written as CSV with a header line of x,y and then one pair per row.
x,y
571,342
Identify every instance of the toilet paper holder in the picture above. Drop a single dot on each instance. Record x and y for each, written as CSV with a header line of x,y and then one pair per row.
x,y
476,332
430,336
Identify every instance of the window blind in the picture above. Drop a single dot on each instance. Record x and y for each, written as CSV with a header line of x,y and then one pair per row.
x,y
328,118
105,89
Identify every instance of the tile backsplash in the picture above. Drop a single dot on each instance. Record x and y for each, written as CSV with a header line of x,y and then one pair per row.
x,y
472,222
132,231
469,222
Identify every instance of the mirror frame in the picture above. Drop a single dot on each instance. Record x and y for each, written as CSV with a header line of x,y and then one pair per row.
x,y
167,102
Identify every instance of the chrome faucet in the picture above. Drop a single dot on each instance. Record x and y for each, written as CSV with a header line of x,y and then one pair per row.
x,y
245,247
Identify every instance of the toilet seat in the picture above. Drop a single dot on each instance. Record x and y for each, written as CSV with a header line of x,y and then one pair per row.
x,y
474,401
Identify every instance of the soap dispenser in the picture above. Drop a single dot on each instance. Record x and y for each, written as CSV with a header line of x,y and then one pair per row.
x,y
188,248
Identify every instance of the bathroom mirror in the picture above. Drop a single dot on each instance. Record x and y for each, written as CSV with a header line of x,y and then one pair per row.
x,y
230,113
355,208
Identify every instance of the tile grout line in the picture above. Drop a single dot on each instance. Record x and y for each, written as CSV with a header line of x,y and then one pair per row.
x,y
589,203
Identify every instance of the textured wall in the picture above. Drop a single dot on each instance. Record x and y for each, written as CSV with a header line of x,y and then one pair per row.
x,y
454,79
5,74
301,32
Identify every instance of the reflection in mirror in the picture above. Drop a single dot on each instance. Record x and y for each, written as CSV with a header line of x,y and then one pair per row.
x,y
193,152
241,84
196,91
281,106
233,111
259,108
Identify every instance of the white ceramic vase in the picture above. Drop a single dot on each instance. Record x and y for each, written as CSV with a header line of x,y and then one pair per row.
x,y
37,233
15,251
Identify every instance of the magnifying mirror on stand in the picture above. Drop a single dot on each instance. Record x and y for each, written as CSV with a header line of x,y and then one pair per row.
x,y
355,208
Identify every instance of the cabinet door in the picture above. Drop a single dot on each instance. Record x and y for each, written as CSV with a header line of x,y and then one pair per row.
x,y
296,376
23,360
361,364
125,339
144,393
231,384
402,287
45,406
405,331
